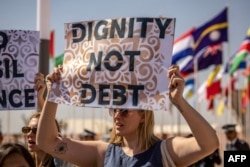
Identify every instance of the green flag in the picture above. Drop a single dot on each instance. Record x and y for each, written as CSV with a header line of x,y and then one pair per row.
x,y
242,53
59,60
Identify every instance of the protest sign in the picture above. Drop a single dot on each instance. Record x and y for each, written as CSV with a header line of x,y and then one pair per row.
x,y
116,63
19,54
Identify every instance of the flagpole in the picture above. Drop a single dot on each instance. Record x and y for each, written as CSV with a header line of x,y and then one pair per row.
x,y
229,115
43,25
248,112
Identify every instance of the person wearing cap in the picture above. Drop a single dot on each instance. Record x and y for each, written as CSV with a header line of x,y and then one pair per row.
x,y
88,135
234,143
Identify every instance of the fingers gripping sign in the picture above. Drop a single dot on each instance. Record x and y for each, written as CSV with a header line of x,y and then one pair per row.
x,y
176,84
54,77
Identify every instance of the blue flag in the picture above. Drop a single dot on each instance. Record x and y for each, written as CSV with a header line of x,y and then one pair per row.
x,y
211,56
212,32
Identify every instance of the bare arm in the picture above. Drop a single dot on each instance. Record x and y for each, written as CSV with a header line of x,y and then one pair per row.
x,y
81,153
40,87
185,151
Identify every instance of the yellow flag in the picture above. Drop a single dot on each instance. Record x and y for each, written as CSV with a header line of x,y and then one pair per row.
x,y
221,107
213,74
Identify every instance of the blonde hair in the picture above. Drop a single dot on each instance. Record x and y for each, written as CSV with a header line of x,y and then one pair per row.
x,y
146,131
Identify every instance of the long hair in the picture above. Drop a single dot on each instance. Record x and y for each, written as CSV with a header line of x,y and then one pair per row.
x,y
146,131
48,158
10,148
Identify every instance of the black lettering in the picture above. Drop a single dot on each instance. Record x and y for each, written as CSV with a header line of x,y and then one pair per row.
x,y
7,67
104,33
90,31
78,27
4,40
135,95
120,30
15,73
29,95
92,60
132,55
163,27
84,93
107,62
119,96
103,94
131,28
3,99
144,25
12,97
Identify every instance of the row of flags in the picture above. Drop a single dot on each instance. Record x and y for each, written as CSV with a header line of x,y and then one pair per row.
x,y
200,48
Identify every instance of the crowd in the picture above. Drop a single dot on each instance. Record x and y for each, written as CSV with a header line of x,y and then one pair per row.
x,y
131,141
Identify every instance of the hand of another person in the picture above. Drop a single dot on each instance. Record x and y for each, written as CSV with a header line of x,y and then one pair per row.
x,y
54,77
176,84
40,85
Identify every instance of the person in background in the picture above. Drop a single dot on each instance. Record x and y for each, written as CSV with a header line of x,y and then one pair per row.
x,y
88,135
41,158
132,142
15,155
234,143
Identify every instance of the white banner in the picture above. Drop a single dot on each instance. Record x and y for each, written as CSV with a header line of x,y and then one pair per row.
x,y
117,63
19,55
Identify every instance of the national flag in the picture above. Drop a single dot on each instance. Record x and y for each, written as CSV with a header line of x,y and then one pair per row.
x,y
215,75
221,107
189,91
211,56
246,73
202,92
189,87
183,46
244,100
213,89
212,75
59,60
212,32
213,86
210,104
241,54
189,81
52,44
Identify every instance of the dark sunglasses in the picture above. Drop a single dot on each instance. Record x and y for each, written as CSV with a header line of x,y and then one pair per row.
x,y
122,112
27,129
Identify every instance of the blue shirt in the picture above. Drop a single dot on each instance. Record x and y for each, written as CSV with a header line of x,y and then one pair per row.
x,y
115,157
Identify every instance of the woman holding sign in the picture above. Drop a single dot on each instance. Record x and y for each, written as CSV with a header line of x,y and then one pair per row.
x,y
132,141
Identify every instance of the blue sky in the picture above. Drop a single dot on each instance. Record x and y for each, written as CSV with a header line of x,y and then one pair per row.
x,y
21,14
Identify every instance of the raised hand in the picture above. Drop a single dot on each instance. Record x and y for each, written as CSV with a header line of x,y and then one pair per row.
x,y
54,77
176,84
40,87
